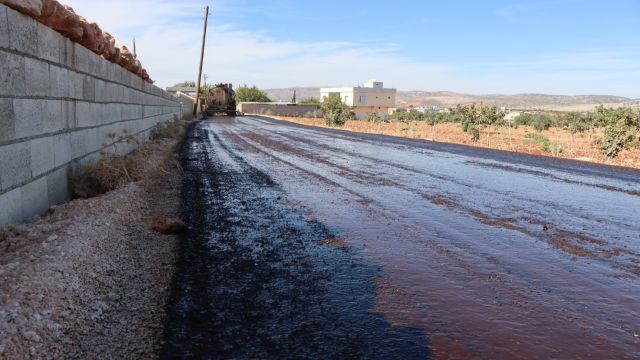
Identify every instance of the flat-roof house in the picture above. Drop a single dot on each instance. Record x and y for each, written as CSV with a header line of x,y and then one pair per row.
x,y
372,97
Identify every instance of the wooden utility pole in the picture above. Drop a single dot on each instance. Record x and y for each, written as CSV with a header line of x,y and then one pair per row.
x,y
204,39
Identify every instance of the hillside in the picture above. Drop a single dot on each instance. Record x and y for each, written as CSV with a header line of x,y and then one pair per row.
x,y
450,99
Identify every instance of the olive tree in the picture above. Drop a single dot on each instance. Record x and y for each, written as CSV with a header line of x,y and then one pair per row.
x,y
335,112
621,127
251,94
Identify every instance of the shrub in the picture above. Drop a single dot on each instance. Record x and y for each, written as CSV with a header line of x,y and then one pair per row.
x,y
335,112
113,171
542,122
311,101
251,94
374,118
317,114
621,129
475,134
575,122
539,122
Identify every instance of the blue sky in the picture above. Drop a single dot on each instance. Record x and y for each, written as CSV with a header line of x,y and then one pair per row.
x,y
546,46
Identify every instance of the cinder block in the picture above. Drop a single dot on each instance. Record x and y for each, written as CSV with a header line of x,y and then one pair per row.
x,y
130,112
86,114
88,88
81,58
7,120
109,70
23,34
89,159
92,62
51,45
93,143
70,53
100,90
29,117
115,112
71,114
61,149
4,29
76,85
58,186
37,77
16,164
55,116
60,82
34,198
101,68
42,156
83,142
12,75
78,144
112,92
10,211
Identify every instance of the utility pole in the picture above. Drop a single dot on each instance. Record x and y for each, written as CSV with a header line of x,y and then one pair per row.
x,y
135,52
204,39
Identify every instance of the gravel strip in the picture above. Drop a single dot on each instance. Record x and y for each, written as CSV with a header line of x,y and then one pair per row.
x,y
91,279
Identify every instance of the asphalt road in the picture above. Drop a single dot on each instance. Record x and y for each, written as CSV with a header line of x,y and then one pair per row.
x,y
318,243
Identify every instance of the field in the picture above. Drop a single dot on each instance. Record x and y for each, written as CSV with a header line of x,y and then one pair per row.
x,y
524,139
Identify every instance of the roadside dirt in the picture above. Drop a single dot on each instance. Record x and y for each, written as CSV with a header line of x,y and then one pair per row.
x,y
576,147
91,279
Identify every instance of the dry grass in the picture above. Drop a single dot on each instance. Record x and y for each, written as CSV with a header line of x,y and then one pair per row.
x,y
149,159
578,147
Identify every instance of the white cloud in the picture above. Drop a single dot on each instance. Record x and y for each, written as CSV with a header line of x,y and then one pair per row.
x,y
168,37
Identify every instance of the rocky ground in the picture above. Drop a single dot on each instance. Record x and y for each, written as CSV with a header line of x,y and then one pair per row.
x,y
91,279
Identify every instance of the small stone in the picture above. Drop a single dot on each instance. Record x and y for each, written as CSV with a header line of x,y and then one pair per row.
x,y
52,238
31,336
168,225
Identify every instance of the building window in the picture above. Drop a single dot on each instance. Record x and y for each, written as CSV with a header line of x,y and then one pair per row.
x,y
363,99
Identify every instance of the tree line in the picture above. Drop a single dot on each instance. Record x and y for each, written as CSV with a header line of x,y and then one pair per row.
x,y
620,125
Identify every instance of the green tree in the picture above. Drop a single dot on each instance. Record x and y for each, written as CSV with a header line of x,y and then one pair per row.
x,y
335,112
621,127
474,118
251,94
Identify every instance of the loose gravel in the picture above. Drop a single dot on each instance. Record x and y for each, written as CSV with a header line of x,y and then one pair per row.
x,y
91,279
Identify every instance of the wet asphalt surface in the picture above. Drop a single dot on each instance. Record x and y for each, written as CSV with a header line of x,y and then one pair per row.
x,y
259,280
316,243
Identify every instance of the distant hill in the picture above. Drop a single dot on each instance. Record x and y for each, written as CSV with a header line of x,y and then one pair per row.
x,y
450,99
287,93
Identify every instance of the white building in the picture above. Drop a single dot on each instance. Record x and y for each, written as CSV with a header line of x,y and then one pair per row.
x,y
370,98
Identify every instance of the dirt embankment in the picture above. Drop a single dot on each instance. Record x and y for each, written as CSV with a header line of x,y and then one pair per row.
x,y
524,139
91,279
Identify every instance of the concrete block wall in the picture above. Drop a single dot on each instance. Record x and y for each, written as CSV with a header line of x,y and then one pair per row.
x,y
60,107
279,109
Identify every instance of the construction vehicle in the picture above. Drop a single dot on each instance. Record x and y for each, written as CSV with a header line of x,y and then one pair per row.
x,y
221,99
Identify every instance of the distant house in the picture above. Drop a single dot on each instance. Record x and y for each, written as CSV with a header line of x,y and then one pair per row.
x,y
365,100
186,90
